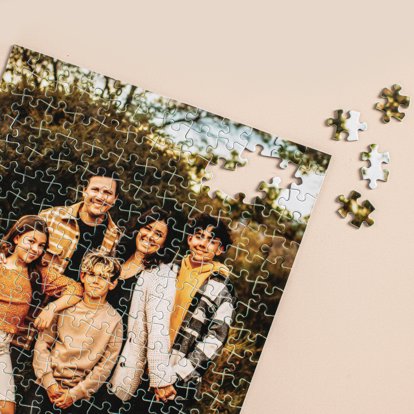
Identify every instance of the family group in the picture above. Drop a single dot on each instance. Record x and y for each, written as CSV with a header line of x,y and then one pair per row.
x,y
126,323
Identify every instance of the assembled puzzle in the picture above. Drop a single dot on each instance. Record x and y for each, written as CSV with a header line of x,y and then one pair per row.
x,y
124,286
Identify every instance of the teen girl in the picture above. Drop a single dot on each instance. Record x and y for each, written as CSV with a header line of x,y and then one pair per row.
x,y
22,247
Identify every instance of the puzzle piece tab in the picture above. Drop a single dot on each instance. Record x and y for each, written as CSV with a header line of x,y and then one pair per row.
x,y
354,125
393,103
374,172
360,212
348,125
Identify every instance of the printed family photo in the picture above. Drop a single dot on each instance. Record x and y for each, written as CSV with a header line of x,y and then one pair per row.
x,y
124,285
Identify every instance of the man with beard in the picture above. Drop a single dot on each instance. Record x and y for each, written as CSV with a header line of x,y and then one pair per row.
x,y
76,229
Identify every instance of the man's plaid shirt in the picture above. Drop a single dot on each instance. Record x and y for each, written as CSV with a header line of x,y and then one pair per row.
x,y
63,240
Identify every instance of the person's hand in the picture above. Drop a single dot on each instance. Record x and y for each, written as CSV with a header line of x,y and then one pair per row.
x,y
65,400
165,393
53,392
2,258
45,317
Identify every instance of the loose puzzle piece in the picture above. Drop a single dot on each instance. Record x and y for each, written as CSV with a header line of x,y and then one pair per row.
x,y
375,172
348,125
354,125
393,103
338,123
173,291
360,212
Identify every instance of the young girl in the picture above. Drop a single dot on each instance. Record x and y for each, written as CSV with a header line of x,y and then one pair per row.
x,y
23,247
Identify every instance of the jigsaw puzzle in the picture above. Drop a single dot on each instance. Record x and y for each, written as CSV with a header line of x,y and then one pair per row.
x,y
125,287
375,172
349,125
360,212
394,100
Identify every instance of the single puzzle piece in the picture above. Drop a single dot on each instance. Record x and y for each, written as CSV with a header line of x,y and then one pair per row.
x,y
339,123
360,212
290,199
349,125
354,125
375,172
393,103
310,185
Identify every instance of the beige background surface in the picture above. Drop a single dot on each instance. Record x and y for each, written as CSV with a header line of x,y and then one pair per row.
x,y
343,339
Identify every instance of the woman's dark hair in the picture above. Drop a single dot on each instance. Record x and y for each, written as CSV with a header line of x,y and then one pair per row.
x,y
166,253
7,245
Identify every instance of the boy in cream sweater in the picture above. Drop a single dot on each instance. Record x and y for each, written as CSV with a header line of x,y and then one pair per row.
x,y
74,357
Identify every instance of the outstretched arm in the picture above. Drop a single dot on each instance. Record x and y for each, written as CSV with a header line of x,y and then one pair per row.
x,y
41,360
45,317
56,284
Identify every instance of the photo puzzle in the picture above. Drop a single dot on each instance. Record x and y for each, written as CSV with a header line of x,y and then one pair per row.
x,y
125,286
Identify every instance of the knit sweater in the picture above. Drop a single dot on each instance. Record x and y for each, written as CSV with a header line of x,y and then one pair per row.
x,y
148,342
15,298
79,349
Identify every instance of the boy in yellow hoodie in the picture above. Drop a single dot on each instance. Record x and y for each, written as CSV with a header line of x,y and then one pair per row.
x,y
204,305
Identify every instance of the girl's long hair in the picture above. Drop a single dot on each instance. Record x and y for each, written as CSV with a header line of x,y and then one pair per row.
x,y
7,246
167,251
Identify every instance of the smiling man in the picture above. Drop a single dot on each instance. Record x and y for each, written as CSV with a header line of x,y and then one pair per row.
x,y
87,225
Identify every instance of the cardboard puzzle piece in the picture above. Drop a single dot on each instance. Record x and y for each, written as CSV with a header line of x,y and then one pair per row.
x,y
348,125
354,125
360,212
394,100
116,170
375,172
291,199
